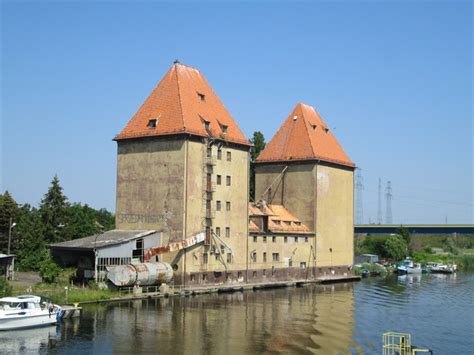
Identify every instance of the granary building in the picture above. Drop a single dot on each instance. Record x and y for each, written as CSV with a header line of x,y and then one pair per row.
x,y
183,174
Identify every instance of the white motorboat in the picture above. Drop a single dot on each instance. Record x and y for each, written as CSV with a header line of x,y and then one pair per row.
x,y
27,312
408,267
438,268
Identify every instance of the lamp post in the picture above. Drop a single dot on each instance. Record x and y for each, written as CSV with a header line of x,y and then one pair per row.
x,y
12,225
95,257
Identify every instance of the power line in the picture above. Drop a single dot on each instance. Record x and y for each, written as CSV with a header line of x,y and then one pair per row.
x,y
379,205
388,199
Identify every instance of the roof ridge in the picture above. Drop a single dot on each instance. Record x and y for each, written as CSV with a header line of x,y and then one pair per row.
x,y
307,130
179,95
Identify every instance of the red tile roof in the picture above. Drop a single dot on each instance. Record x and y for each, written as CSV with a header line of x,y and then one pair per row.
x,y
183,102
280,220
304,136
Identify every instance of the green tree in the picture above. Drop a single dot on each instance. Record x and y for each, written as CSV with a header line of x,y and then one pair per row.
x,y
49,270
258,141
53,210
9,211
32,249
81,222
395,247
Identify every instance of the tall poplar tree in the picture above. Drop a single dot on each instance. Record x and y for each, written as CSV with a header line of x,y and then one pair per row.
x,y
53,211
258,141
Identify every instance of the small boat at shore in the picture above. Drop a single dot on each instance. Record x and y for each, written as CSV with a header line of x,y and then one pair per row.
x,y
408,267
439,268
27,312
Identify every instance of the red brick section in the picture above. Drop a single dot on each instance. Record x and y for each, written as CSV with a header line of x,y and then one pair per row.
x,y
183,102
304,136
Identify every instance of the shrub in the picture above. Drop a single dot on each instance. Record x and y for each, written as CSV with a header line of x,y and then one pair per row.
x,y
5,287
49,271
395,247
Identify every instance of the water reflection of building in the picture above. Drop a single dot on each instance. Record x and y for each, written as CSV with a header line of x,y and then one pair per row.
x,y
291,320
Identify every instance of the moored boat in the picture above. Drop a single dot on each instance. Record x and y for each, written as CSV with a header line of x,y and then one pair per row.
x,y
439,268
408,267
27,312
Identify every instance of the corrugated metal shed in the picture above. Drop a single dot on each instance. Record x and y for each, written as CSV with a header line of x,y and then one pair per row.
x,y
103,240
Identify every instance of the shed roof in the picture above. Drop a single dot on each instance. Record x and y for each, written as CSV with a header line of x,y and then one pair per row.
x,y
183,102
280,219
304,136
102,240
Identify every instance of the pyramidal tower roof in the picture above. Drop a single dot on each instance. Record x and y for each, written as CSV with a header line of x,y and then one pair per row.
x,y
304,136
183,102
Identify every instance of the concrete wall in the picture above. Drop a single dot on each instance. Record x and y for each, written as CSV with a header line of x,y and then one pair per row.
x,y
161,185
235,219
322,197
150,186
286,246
334,216
295,189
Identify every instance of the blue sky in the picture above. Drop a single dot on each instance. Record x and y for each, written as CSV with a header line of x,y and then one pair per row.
x,y
393,80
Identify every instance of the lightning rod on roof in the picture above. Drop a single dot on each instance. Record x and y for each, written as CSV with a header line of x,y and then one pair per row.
x,y
176,61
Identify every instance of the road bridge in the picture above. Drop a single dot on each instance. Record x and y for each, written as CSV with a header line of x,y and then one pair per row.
x,y
415,228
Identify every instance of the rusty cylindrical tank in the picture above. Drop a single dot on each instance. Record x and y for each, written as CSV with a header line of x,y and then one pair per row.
x,y
140,274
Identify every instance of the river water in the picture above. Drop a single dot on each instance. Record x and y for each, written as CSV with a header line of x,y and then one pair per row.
x,y
437,310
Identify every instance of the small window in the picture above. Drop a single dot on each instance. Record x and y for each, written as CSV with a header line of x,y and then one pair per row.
x,y
207,125
151,123
224,129
202,97
278,222
314,127
227,232
264,239
254,257
209,152
228,180
306,239
296,239
219,179
298,223
204,258
229,156
219,154
254,273
255,239
326,130
285,239
264,257
288,223
229,258
276,257
264,272
218,231
227,206
204,277
303,265
193,277
218,205
274,239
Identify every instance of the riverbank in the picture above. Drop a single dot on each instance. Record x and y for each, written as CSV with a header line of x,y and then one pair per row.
x,y
86,295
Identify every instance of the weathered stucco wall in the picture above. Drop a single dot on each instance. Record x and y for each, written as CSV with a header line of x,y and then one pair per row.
x,y
294,189
150,186
296,253
236,194
334,216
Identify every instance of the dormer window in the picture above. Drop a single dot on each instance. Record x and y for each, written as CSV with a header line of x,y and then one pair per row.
x,y
298,223
207,124
314,127
202,97
326,130
152,123
224,129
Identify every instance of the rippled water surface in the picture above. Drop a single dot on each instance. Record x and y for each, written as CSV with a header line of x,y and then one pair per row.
x,y
336,319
